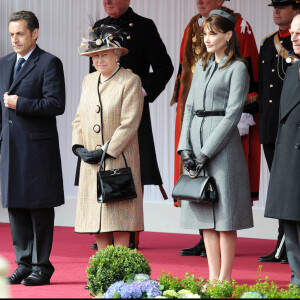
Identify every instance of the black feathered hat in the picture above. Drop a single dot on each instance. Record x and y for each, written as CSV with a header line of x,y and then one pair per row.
x,y
105,37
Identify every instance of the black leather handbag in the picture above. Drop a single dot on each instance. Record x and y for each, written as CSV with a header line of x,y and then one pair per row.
x,y
116,184
193,187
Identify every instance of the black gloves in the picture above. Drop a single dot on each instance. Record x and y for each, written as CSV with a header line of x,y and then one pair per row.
x,y
188,157
90,157
200,161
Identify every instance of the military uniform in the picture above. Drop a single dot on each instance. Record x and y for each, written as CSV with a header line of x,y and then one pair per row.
x,y
272,69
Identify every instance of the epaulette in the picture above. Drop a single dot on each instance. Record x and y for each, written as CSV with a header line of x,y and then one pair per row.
x,y
263,40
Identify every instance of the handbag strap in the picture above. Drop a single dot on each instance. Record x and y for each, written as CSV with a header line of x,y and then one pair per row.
x,y
103,156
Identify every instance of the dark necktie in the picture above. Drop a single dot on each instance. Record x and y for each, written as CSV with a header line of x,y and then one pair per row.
x,y
18,68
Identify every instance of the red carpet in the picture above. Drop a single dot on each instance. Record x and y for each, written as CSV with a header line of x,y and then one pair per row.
x,y
71,252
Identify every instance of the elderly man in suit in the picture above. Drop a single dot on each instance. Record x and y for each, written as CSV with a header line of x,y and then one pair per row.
x,y
146,51
33,89
283,199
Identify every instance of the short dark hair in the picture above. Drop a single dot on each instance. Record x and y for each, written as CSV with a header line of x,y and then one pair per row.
x,y
28,16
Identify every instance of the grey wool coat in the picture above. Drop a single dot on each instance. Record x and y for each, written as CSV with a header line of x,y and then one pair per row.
x,y
122,105
218,89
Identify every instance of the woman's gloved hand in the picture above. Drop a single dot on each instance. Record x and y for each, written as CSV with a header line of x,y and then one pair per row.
x,y
200,161
90,157
188,159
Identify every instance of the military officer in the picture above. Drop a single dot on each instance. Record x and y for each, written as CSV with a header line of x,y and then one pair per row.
x,y
276,55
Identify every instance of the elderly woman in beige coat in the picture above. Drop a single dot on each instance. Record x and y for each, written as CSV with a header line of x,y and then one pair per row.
x,y
110,110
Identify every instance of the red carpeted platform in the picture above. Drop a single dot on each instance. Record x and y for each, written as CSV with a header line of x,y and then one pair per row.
x,y
71,252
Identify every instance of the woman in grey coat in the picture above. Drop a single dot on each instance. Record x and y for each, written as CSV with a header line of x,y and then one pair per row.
x,y
210,141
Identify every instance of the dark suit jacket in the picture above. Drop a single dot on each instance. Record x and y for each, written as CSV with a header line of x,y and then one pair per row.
x,y
146,49
31,175
283,200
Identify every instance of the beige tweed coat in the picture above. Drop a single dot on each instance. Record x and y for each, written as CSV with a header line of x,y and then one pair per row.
x,y
122,105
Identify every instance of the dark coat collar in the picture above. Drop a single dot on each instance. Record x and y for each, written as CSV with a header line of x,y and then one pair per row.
x,y
28,66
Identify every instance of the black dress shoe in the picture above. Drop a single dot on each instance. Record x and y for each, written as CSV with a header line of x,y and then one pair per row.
x,y
86,287
284,260
195,251
18,275
203,253
36,278
269,258
94,246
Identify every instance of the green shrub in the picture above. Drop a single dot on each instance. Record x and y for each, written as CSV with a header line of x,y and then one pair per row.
x,y
219,290
168,282
114,264
192,284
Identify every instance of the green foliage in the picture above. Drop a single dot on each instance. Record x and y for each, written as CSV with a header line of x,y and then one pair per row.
x,y
292,292
192,284
114,264
168,282
219,290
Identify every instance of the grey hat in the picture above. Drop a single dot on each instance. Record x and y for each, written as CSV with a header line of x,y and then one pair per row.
x,y
223,14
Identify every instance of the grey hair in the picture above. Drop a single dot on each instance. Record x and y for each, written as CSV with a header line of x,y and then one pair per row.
x,y
118,52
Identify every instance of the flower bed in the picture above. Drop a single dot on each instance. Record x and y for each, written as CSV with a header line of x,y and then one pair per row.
x,y
118,272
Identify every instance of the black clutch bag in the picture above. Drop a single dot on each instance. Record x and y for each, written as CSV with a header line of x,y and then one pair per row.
x,y
193,187
116,184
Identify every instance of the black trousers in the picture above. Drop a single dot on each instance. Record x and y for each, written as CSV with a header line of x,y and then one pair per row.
x,y
269,150
32,235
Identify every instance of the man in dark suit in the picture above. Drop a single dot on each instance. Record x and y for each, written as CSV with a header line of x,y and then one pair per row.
x,y
33,89
276,55
146,49
283,200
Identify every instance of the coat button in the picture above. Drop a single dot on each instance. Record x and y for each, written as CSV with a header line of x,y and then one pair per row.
x,y
263,62
98,147
298,125
271,85
297,146
10,121
270,101
273,70
96,128
97,110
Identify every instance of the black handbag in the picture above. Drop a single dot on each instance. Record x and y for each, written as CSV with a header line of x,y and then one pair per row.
x,y
193,187
116,184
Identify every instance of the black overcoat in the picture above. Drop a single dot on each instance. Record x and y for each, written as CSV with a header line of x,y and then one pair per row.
x,y
283,198
146,49
31,174
271,73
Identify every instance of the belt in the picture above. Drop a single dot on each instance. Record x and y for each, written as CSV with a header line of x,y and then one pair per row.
x,y
204,113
